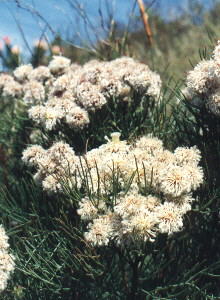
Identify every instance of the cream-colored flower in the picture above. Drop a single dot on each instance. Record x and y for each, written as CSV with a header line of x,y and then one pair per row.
x,y
216,54
40,73
88,210
21,73
155,202
77,117
34,92
89,96
174,180
51,183
59,64
169,218
32,154
130,204
101,230
13,89
186,155
7,260
203,77
150,145
141,225
5,78
37,113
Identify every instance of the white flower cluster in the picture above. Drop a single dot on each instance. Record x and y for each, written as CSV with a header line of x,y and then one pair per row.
x,y
7,264
160,185
26,83
65,92
203,82
54,165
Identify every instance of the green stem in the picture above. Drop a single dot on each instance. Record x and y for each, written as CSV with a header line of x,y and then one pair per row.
x,y
134,286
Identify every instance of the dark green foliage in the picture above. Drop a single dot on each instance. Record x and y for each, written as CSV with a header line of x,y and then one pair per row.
x,y
14,136
141,115
53,260
39,56
46,236
9,58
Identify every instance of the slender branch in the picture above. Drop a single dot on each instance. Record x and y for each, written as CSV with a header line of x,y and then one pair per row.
x,y
3,161
145,20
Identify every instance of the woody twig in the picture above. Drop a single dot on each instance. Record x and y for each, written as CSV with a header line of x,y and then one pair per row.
x,y
145,20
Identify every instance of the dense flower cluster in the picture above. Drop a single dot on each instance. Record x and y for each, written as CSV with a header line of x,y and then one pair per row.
x,y
6,260
160,185
203,82
68,93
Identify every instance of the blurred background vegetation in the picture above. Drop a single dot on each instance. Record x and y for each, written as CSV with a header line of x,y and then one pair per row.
x,y
177,42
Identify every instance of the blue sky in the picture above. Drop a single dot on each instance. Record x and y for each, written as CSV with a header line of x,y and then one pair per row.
x,y
56,12
61,17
